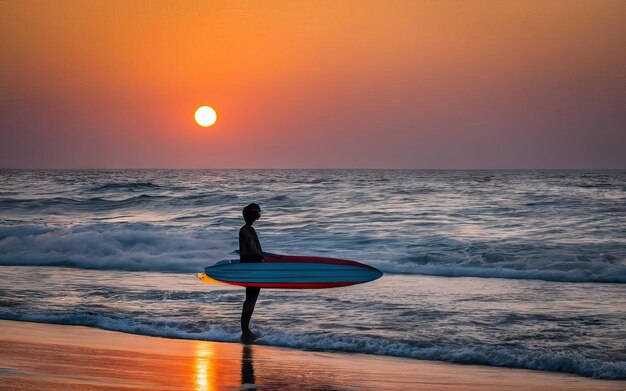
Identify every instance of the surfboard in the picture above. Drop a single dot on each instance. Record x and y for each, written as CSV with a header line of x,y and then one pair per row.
x,y
291,272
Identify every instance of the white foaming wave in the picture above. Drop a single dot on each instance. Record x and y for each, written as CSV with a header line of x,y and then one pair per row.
x,y
152,327
500,356
478,354
125,246
148,247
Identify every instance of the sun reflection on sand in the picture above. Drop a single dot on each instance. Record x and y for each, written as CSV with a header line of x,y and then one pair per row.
x,y
204,377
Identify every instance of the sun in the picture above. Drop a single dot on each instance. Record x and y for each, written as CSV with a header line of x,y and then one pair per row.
x,y
206,116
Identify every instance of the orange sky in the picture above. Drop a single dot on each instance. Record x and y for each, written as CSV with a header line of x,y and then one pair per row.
x,y
416,84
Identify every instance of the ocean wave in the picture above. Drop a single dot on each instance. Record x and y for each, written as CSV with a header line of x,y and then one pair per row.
x,y
204,199
68,205
567,262
92,204
148,247
280,197
123,246
501,356
605,272
476,354
126,186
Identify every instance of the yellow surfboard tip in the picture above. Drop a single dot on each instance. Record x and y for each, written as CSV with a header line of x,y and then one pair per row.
x,y
204,278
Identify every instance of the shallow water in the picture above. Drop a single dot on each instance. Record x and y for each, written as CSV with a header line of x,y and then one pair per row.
x,y
557,237
565,327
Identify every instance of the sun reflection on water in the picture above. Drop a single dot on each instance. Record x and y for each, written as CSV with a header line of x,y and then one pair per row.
x,y
205,378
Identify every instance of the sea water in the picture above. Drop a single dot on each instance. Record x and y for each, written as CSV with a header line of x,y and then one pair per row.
x,y
523,269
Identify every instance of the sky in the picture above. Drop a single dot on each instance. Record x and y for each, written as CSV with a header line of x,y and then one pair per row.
x,y
313,84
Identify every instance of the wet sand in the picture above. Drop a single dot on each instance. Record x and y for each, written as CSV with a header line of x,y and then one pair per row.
x,y
36,356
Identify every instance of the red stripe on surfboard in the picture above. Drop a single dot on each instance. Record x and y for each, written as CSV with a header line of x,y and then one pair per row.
x,y
304,285
328,261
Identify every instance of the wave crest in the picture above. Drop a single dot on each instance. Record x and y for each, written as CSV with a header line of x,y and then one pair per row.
x,y
126,186
123,246
148,247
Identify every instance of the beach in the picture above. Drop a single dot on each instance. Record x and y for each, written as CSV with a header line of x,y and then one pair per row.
x,y
37,356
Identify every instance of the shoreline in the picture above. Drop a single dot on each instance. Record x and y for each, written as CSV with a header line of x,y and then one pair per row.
x,y
60,357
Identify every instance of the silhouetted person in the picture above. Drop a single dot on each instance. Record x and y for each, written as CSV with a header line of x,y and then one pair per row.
x,y
249,251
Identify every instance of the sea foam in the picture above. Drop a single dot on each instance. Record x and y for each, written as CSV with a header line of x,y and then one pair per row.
x,y
502,356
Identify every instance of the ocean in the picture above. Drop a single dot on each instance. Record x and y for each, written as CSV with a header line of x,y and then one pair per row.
x,y
512,268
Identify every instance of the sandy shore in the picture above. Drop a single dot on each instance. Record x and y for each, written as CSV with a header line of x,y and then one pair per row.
x,y
36,356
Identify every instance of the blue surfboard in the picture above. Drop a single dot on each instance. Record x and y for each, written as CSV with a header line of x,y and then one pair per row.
x,y
293,272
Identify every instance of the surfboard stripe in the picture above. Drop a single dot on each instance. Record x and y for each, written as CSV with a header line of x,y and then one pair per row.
x,y
295,286
322,260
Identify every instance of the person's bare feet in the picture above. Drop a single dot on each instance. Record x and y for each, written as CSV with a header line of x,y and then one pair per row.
x,y
248,337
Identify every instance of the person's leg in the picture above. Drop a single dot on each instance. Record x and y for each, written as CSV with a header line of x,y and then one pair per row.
x,y
248,307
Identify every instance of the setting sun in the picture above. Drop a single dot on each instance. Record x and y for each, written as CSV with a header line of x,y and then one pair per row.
x,y
206,116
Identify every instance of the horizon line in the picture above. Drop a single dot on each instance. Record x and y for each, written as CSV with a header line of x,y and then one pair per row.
x,y
305,168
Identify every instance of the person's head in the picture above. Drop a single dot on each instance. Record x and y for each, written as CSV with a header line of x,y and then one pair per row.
x,y
251,213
